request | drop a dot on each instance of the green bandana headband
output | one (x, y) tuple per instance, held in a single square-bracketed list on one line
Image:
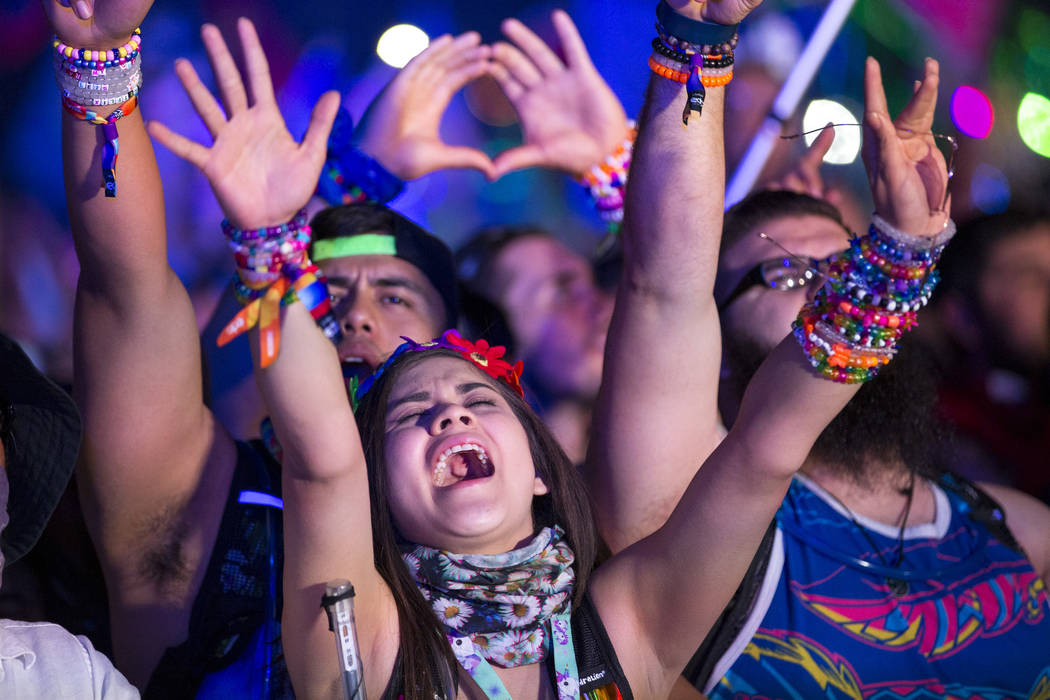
[(363, 244)]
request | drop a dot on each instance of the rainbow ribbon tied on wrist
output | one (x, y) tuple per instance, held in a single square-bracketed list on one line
[(111, 147), (274, 271), (304, 284)]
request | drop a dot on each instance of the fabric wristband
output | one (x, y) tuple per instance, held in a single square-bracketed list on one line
[(692, 30)]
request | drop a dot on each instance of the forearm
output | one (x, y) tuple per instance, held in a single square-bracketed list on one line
[(664, 348), (305, 396), (708, 542), (673, 213), (120, 241)]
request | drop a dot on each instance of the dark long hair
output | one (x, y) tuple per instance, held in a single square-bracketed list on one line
[(427, 666)]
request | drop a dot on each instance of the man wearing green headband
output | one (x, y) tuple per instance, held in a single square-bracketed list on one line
[(388, 278)]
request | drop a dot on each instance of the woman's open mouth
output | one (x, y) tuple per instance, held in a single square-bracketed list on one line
[(462, 462)]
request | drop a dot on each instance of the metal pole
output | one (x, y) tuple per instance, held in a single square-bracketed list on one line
[(787, 99), (338, 603)]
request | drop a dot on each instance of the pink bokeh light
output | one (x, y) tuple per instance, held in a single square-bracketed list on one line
[(972, 112)]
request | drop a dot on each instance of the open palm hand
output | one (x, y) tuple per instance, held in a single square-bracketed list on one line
[(259, 174)]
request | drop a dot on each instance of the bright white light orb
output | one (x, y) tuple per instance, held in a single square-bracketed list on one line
[(400, 44), (847, 138)]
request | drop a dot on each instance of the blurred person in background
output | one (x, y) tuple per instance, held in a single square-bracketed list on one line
[(524, 289), (994, 343)]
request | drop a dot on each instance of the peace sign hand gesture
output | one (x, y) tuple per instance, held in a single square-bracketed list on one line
[(259, 174), (907, 172)]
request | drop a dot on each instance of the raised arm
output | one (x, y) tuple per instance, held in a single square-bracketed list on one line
[(262, 177), (691, 565), (664, 348), (148, 436)]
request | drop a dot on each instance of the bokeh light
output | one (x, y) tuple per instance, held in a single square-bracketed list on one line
[(847, 138), (972, 112), (990, 189), (1033, 123), (400, 44)]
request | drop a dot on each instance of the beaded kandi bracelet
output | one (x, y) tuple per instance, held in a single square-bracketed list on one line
[(99, 60), (274, 270), (698, 54), (101, 78), (350, 176), (873, 290), (606, 180)]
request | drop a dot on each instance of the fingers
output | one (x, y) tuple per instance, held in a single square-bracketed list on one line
[(441, 52), (454, 80), (917, 115), (179, 145), (518, 158), (255, 63), (805, 178), (886, 146), (510, 86), (820, 146), (518, 65), (454, 64), (315, 142), (227, 77), (83, 9), (534, 47), (426, 54), (468, 158), (203, 101), (874, 95), (572, 45)]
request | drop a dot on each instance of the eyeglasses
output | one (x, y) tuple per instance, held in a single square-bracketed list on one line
[(784, 274), (948, 145)]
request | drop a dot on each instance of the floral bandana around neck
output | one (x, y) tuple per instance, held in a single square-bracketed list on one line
[(508, 609)]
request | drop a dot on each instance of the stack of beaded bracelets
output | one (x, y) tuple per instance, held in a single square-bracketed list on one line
[(261, 253), (274, 270), (852, 326), (698, 54), (606, 180), (90, 78)]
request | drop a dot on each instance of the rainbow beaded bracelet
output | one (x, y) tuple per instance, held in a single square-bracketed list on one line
[(96, 58)]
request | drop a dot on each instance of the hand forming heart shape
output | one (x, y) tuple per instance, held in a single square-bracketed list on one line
[(569, 116)]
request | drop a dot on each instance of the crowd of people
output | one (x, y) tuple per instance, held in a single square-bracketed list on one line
[(712, 466)]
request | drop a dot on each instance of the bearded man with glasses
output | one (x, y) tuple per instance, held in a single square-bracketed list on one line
[(844, 603), (881, 576)]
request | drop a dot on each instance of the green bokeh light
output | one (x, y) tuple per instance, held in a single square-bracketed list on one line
[(1033, 123), (1033, 28), (1037, 69)]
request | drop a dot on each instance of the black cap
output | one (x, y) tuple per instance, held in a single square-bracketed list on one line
[(41, 441)]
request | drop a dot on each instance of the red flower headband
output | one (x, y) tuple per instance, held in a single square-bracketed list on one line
[(487, 358)]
